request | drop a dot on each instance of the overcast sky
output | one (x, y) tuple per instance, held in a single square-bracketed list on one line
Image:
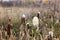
[(9, 0), (5, 0)]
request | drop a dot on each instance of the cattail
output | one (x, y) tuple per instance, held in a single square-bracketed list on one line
[(35, 22), (28, 27), (38, 14), (23, 19), (9, 27)]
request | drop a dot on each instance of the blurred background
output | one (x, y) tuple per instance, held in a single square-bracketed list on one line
[(49, 17)]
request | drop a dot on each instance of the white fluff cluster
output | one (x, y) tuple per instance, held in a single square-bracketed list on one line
[(27, 23), (35, 21), (23, 16), (51, 33), (57, 21), (39, 12)]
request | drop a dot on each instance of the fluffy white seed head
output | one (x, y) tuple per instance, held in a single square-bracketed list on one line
[(57, 21), (35, 21), (23, 16), (27, 23), (51, 33), (38, 12)]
